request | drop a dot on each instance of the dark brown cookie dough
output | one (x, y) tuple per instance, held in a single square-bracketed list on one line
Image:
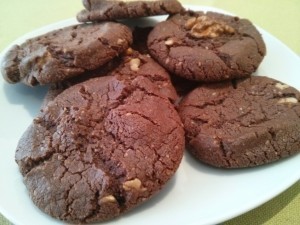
[(134, 65), (207, 47), (100, 148), (246, 123), (65, 53), (131, 65), (102, 10)]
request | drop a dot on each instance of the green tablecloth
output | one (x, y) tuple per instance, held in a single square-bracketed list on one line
[(280, 18)]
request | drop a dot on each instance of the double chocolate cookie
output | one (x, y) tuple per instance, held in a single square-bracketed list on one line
[(65, 53), (100, 148), (102, 10), (207, 47), (245, 123)]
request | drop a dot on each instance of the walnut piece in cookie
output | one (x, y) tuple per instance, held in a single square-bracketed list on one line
[(206, 27)]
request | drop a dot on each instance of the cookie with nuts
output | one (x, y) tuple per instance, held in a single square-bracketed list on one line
[(243, 123), (100, 148), (207, 47), (142, 67), (103, 10), (65, 53)]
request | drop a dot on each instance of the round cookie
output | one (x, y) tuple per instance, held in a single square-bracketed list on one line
[(207, 47), (100, 148), (246, 123), (103, 10), (65, 53)]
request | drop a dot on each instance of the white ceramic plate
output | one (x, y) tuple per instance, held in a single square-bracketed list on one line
[(197, 195)]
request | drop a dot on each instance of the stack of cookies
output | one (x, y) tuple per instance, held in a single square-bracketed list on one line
[(124, 103)]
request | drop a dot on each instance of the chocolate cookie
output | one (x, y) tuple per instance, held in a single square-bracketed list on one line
[(207, 46), (65, 53), (130, 65), (245, 123), (100, 148), (102, 10)]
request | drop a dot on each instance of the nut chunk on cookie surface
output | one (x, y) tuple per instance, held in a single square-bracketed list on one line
[(207, 47), (100, 148), (65, 53), (246, 123)]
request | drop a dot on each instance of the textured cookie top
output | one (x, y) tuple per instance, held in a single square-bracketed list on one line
[(245, 123), (100, 148), (102, 10), (131, 65), (134, 65), (65, 53), (207, 46)]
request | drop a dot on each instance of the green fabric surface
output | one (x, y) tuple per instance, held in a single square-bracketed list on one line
[(282, 210), (3, 221), (280, 18)]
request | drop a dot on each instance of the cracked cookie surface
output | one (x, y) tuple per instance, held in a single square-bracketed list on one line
[(100, 148), (130, 65), (246, 123), (207, 47), (65, 53), (102, 10)]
